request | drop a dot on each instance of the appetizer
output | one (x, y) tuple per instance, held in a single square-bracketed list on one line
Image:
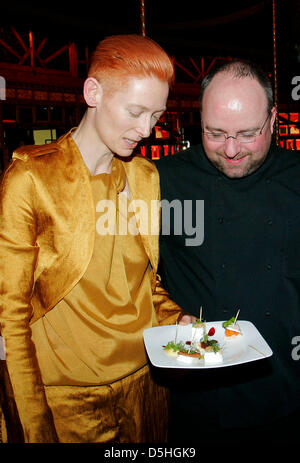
[(173, 348), (213, 354), (189, 356), (198, 330), (232, 328), (199, 349), (210, 348)]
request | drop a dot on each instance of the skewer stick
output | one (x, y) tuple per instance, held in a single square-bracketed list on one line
[(237, 314), (200, 317), (261, 353), (192, 342), (175, 339)]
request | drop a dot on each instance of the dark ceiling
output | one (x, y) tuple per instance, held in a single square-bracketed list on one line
[(187, 28)]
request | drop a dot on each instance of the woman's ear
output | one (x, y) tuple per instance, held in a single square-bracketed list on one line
[(92, 92)]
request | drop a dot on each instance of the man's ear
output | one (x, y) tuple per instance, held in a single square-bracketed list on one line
[(92, 92)]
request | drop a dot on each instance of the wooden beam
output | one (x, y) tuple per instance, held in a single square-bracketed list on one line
[(19, 38), (185, 70), (55, 54), (73, 61), (31, 46), (13, 52), (194, 64), (211, 65), (41, 45), (24, 57)]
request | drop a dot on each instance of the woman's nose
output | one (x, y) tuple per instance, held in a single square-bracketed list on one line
[(144, 128)]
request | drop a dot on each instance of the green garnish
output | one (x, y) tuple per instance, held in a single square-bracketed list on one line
[(190, 351), (213, 343), (180, 347), (210, 342), (198, 322), (215, 346), (175, 347), (229, 322)]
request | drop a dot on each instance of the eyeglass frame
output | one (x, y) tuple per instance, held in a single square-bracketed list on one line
[(235, 138)]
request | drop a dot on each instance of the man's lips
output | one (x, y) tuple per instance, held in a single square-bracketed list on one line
[(235, 162)]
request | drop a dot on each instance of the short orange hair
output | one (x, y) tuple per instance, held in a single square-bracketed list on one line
[(120, 56)]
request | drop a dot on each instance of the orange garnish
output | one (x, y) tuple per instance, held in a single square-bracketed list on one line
[(231, 332), (196, 354)]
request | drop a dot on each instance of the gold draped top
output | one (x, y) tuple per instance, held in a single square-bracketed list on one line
[(94, 335)]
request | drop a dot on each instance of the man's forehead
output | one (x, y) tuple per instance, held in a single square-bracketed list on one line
[(227, 93), (226, 84)]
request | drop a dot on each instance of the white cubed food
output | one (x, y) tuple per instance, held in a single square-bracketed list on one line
[(171, 352), (187, 359), (197, 333), (213, 357)]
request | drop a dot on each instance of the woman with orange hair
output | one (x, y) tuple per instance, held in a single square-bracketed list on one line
[(78, 269)]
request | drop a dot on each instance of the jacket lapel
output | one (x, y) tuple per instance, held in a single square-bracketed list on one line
[(143, 183)]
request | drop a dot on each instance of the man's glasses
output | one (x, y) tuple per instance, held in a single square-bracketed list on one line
[(245, 137)]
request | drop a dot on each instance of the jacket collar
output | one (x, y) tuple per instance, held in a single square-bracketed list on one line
[(143, 181)]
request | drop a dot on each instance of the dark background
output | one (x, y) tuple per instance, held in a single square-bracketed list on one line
[(190, 28)]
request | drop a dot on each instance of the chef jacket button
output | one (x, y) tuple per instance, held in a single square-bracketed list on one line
[(223, 265), (267, 313), (269, 221), (224, 311), (268, 266), (221, 219)]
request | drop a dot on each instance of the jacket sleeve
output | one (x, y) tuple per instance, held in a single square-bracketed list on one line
[(19, 254), (167, 311)]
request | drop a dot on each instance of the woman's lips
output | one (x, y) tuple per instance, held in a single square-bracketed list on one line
[(131, 143)]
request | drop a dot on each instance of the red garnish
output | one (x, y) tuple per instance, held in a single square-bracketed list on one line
[(211, 331), (188, 343)]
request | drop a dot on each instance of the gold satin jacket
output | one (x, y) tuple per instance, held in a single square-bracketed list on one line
[(47, 229)]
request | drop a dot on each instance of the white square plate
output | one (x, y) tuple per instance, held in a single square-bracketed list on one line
[(249, 347)]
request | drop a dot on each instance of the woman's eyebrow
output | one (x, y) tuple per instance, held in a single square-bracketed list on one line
[(144, 108)]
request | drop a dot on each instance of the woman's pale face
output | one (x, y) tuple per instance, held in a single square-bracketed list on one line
[(127, 115)]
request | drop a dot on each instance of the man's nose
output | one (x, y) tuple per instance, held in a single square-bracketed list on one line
[(232, 147)]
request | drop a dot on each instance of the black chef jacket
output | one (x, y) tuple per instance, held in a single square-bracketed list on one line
[(249, 260)]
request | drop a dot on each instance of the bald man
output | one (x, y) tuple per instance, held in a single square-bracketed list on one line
[(249, 260)]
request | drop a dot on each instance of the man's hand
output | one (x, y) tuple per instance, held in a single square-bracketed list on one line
[(186, 319)]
